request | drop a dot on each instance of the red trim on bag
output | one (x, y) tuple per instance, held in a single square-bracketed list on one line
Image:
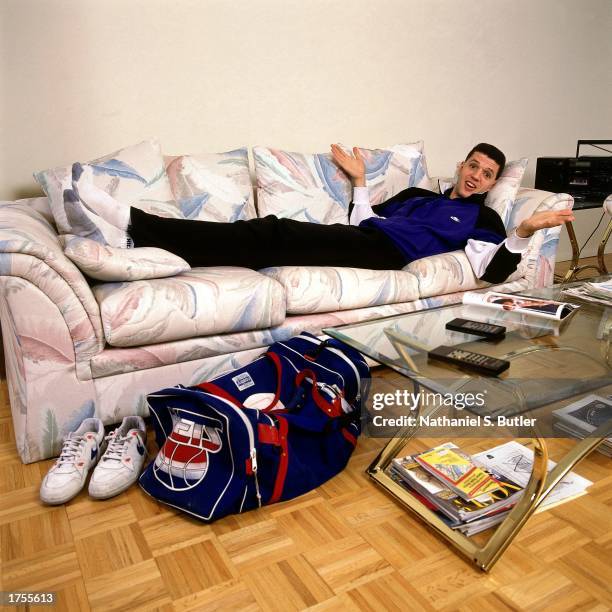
[(281, 475), (248, 467), (215, 390), (210, 387), (268, 434), (331, 409), (349, 436)]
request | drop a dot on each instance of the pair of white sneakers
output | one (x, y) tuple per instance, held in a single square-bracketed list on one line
[(118, 459)]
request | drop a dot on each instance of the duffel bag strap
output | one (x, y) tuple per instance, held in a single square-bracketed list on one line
[(315, 352), (215, 390), (212, 388), (283, 465), (332, 409), (269, 434)]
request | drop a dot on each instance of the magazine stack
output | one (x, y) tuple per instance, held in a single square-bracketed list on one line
[(471, 493), (581, 418), (600, 293)]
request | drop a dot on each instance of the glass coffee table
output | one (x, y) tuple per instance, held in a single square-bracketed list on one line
[(550, 363)]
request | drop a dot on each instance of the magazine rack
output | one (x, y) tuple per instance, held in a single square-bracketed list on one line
[(539, 486)]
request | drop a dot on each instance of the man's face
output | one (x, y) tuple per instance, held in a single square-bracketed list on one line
[(476, 175)]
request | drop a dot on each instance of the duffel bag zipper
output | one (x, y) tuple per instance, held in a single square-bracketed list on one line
[(335, 393), (252, 449), (254, 470)]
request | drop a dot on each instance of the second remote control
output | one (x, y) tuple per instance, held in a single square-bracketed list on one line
[(483, 364), (478, 328)]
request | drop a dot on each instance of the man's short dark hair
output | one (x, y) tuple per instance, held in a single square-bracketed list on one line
[(490, 151)]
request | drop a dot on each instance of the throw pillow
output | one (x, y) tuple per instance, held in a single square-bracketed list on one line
[(133, 176), (212, 187), (392, 169), (305, 187), (502, 195), (310, 187), (110, 264)]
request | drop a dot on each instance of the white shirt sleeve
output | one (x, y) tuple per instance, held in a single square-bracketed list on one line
[(480, 253), (362, 208)]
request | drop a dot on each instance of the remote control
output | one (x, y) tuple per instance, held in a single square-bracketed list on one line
[(483, 364), (478, 328)]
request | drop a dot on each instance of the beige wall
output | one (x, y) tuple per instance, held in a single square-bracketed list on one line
[(83, 77)]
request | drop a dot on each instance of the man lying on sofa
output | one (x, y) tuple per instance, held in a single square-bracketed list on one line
[(414, 223)]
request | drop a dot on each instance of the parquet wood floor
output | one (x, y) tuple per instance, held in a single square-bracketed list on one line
[(344, 546)]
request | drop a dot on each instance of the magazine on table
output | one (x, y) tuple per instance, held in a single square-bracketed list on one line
[(600, 293), (587, 414), (524, 304), (579, 419), (602, 289)]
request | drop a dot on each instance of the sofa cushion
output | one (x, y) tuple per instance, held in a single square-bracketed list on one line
[(212, 187), (112, 264), (200, 302), (41, 205), (311, 289), (392, 169), (305, 187), (134, 176), (447, 273)]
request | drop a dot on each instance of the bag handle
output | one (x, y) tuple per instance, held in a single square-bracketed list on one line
[(278, 366), (315, 352), (331, 409)]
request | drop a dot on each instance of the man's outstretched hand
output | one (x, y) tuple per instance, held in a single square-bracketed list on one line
[(547, 218), (353, 165)]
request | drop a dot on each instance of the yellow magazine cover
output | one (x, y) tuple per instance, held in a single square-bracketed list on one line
[(454, 467)]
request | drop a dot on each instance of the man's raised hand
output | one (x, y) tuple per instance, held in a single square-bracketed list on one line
[(353, 165), (540, 220)]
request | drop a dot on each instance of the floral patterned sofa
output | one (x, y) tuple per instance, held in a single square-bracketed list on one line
[(76, 347)]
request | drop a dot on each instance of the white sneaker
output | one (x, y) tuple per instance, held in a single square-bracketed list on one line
[(81, 450), (122, 462)]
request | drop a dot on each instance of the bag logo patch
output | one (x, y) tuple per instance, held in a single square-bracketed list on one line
[(243, 381), (184, 455)]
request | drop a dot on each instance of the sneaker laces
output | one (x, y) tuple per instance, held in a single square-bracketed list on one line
[(70, 450), (116, 446)]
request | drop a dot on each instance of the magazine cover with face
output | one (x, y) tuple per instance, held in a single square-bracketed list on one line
[(521, 303)]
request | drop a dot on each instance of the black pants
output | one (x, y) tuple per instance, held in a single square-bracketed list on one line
[(260, 243)]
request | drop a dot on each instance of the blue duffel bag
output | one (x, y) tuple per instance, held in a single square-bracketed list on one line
[(267, 432)]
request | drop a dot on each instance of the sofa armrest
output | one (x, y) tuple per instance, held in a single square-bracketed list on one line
[(538, 261), (30, 249)]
